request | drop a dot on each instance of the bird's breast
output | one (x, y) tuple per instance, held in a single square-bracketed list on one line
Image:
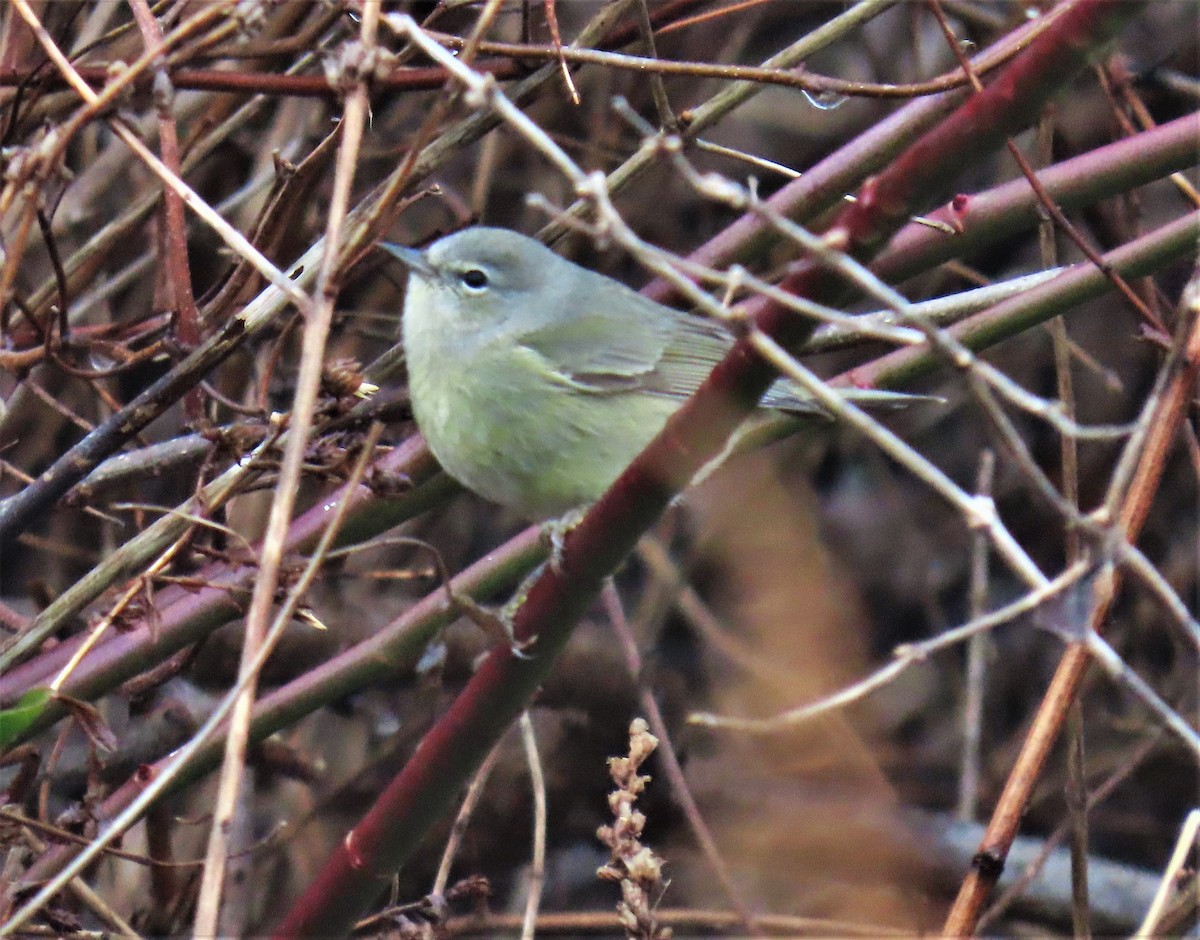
[(505, 426)]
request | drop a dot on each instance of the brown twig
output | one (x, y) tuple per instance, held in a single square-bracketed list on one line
[(671, 764), (1048, 204), (556, 44), (1163, 412), (316, 331), (977, 656), (803, 80), (178, 270)]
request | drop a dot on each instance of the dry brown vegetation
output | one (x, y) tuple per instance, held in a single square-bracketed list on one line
[(835, 757)]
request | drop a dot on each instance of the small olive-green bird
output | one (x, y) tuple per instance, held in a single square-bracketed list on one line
[(536, 381)]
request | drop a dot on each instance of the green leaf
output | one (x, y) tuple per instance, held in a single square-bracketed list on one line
[(14, 721)]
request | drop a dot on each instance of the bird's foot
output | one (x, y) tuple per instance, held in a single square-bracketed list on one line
[(555, 532)]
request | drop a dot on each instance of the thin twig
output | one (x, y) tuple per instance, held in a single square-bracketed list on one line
[(1146, 455), (178, 270), (978, 650), (303, 406), (800, 79), (674, 770), (1184, 847), (458, 828), (537, 864), (1044, 199), (1076, 782), (174, 765), (556, 41), (904, 656)]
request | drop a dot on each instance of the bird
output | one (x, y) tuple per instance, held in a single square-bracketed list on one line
[(535, 381)]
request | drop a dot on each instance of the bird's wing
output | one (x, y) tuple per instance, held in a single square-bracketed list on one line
[(664, 353), (596, 352), (696, 346), (660, 352)]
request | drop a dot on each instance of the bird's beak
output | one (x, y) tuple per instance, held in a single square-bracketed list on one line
[(416, 260)]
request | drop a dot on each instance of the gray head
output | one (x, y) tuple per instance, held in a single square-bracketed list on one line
[(484, 269)]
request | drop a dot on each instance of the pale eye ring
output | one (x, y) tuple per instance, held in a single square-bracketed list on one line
[(474, 279)]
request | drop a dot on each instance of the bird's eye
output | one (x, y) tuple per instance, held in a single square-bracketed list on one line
[(475, 279)]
